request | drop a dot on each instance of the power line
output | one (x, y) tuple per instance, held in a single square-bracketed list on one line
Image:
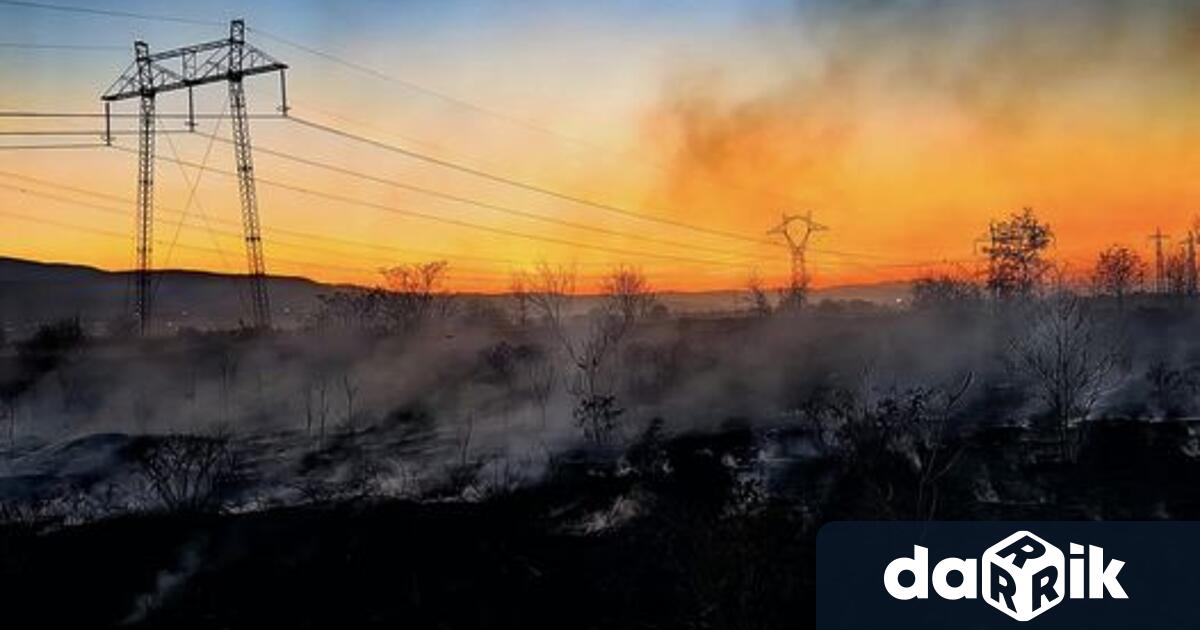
[(442, 96), (38, 46), (192, 188), (367, 70), (419, 88), (431, 159), (34, 147), (80, 132), (235, 235), (481, 277), (342, 241), (180, 224), (361, 68), (459, 222), (274, 241), (470, 170), (173, 116), (59, 224), (382, 247), (106, 12), (486, 111), (487, 205), (460, 167), (123, 237), (522, 184), (287, 232), (358, 122), (554, 193), (495, 207)]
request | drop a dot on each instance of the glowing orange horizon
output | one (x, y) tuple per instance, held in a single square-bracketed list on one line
[(903, 138)]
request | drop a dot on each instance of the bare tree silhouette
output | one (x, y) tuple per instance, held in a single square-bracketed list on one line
[(413, 294), (755, 297), (188, 472), (626, 298), (1066, 357)]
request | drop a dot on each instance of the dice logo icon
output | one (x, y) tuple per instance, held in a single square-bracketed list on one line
[(1023, 576)]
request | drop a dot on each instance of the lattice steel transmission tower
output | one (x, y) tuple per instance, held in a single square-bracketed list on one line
[(798, 247), (1160, 264), (230, 60), (1191, 275)]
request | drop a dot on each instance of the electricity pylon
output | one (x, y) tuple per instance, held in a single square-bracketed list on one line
[(1160, 266), (1191, 280), (230, 60), (798, 247)]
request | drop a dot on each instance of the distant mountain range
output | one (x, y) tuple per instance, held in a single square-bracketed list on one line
[(33, 292)]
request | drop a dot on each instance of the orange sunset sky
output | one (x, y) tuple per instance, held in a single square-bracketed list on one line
[(903, 125)]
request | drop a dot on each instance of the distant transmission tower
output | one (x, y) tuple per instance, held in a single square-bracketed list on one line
[(798, 247), (1191, 281), (229, 60), (1160, 265)]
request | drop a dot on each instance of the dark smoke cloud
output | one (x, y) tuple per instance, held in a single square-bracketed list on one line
[(1000, 65)]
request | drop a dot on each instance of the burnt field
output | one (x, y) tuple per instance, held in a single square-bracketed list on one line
[(480, 471), (676, 532)]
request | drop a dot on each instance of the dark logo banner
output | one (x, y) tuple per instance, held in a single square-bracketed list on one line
[(967, 575)]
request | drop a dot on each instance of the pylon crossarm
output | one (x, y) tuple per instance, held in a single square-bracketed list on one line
[(211, 69), (129, 84), (189, 66)]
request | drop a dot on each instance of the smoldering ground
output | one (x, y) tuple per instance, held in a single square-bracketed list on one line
[(466, 406), (354, 476)]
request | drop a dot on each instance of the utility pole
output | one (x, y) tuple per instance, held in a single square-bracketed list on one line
[(229, 60), (798, 248), (1160, 268), (1189, 259)]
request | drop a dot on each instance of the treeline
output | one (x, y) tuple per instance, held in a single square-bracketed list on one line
[(1018, 268)]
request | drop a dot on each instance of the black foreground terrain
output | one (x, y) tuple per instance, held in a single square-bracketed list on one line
[(675, 536)]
